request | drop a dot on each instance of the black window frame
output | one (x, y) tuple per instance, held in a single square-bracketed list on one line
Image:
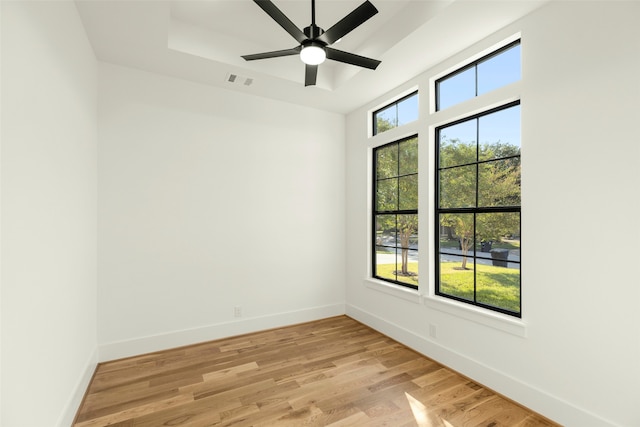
[(471, 210), (375, 212), (474, 65), (391, 104)]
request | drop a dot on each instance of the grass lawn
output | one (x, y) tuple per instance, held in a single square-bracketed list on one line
[(387, 271), (496, 286)]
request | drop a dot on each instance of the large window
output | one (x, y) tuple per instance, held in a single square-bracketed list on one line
[(484, 75), (395, 212), (398, 113), (478, 210)]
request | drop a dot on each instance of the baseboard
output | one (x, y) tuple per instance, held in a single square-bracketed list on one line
[(531, 397), (71, 408), (149, 344)]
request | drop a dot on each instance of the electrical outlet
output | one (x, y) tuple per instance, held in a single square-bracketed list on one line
[(433, 331), (237, 311)]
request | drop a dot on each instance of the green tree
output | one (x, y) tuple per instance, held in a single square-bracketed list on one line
[(383, 124), (497, 179), (397, 190)]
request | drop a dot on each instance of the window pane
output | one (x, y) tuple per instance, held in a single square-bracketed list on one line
[(454, 279), (408, 192), (408, 156), (499, 183), (498, 286), (387, 161), (499, 70), (386, 230), (457, 88), (458, 144), (499, 231), (499, 134), (396, 114), (386, 119), (408, 110), (461, 226), (385, 263), (387, 195), (458, 187)]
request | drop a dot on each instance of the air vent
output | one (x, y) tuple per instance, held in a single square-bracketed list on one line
[(238, 80)]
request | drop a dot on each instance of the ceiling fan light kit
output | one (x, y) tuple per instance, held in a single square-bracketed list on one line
[(313, 54), (314, 42)]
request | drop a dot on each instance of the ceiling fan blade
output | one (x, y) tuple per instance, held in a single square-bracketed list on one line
[(274, 54), (277, 15), (310, 74), (351, 58), (350, 22)]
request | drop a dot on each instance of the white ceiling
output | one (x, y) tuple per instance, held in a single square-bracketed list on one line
[(203, 40)]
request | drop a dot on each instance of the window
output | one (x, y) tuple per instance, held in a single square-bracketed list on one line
[(402, 111), (484, 75), (478, 210), (395, 212)]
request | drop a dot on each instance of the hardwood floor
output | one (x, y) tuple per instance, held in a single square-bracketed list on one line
[(335, 372)]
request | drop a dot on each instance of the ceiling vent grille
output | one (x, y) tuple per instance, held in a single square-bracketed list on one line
[(237, 79)]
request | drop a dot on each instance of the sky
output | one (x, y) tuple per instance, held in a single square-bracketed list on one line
[(494, 72)]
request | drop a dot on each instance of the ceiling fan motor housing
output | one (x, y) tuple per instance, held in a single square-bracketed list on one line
[(313, 31)]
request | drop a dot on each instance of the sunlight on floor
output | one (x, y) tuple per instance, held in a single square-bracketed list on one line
[(422, 415)]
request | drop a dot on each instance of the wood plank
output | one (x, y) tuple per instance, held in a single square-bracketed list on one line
[(334, 371)]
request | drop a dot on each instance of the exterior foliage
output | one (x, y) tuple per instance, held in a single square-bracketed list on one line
[(497, 180), (396, 200)]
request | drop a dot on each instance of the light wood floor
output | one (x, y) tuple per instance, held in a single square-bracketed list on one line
[(334, 372)]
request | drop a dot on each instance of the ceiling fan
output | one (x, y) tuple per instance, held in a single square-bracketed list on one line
[(314, 41)]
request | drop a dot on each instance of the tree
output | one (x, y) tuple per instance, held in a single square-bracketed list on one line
[(497, 179), (383, 124), (397, 193)]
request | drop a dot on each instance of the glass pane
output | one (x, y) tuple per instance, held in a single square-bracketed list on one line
[(449, 242), (408, 156), (386, 119), (461, 239), (499, 183), (458, 144), (387, 195), (408, 110), (386, 230), (458, 187), (457, 88), (456, 280), (408, 195), (407, 271), (385, 264), (499, 70), (387, 161), (499, 134), (499, 232), (498, 286)]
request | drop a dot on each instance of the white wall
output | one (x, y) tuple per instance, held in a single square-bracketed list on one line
[(49, 208), (574, 357), (210, 200)]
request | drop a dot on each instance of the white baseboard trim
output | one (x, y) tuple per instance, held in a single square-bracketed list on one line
[(531, 397), (149, 344), (72, 406)]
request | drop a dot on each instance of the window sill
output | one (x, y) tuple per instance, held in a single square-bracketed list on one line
[(399, 291), (501, 322)]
